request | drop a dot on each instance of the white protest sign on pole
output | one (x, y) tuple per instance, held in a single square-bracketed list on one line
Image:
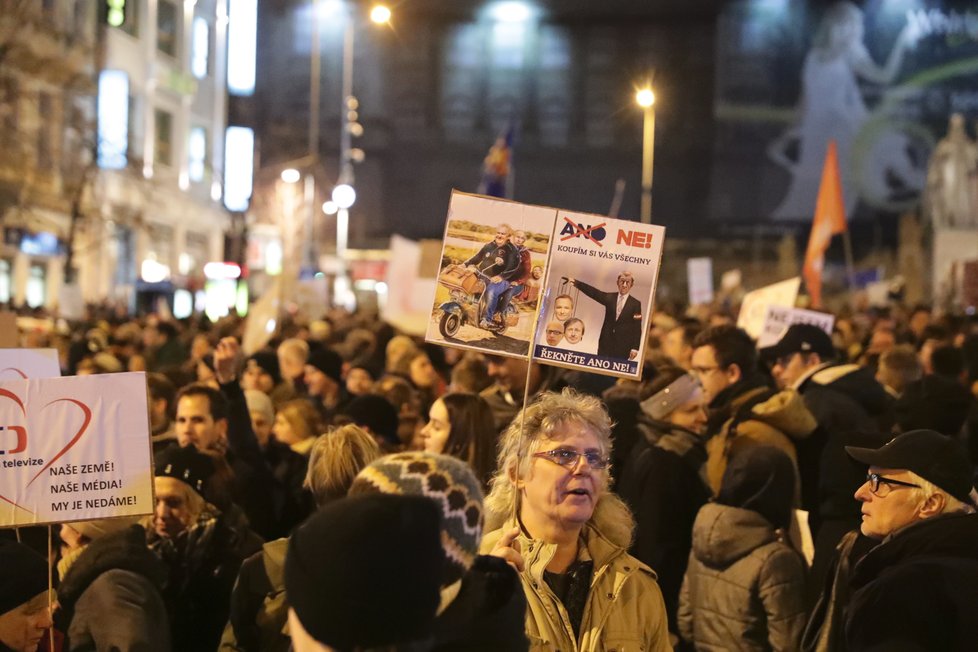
[(753, 309), (74, 449), (18, 364), (779, 319), (599, 291), (409, 286), (262, 319), (699, 274)]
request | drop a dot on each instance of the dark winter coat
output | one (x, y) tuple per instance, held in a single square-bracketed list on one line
[(487, 615), (202, 563), (918, 589), (852, 409), (744, 588), (663, 485), (111, 597)]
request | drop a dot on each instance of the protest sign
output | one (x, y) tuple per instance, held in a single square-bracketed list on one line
[(74, 449), (17, 364), (410, 284), (598, 294), (262, 320), (753, 309), (779, 319), (493, 259), (699, 274)]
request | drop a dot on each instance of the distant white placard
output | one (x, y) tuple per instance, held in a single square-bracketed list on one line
[(74, 449), (753, 309), (731, 280), (779, 319), (699, 273), (20, 364)]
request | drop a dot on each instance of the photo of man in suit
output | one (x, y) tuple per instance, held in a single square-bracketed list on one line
[(621, 331)]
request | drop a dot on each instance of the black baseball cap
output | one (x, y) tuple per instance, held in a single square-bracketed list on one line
[(931, 455), (801, 338)]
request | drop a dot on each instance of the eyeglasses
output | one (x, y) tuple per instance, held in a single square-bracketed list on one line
[(567, 458), (554, 332), (875, 480)]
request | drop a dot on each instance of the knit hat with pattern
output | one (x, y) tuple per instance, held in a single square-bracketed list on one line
[(450, 483)]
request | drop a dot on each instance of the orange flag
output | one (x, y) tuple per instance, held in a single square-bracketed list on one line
[(830, 219)]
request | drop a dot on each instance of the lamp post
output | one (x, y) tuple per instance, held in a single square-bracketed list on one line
[(646, 99), (344, 193)]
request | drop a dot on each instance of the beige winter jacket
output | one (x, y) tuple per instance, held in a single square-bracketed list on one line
[(779, 422), (624, 611)]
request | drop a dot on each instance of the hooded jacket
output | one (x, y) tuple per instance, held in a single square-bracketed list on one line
[(111, 596), (918, 589), (776, 421), (624, 609), (744, 588)]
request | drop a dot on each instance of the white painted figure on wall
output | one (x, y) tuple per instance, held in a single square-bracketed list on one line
[(952, 179), (831, 107)]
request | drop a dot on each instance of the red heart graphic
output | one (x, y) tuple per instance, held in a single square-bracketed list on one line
[(20, 404), (74, 440), (16, 371)]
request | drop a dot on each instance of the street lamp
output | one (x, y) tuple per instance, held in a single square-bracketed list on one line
[(380, 15), (646, 99)]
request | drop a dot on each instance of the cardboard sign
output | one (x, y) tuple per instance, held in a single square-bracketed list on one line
[(19, 364), (74, 449), (9, 335), (699, 274), (779, 319), (489, 283), (753, 309), (599, 290)]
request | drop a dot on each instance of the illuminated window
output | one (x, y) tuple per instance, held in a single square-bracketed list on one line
[(201, 50), (35, 286), (167, 20), (239, 153), (242, 36), (114, 115), (5, 280), (164, 137), (197, 150), (508, 45)]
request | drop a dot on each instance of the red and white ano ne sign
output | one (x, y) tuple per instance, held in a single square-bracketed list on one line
[(74, 449)]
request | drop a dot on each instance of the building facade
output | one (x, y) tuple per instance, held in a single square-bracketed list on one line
[(129, 151)]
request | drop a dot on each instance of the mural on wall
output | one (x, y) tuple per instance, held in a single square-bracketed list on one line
[(880, 79)]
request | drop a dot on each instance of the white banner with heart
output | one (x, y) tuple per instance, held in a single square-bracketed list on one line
[(74, 449)]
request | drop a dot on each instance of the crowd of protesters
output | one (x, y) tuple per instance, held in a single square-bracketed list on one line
[(347, 487)]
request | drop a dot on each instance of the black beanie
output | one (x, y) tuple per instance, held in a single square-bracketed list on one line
[(933, 403), (268, 362), (23, 575), (329, 362), (761, 479), (188, 465), (375, 413), (364, 571)]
